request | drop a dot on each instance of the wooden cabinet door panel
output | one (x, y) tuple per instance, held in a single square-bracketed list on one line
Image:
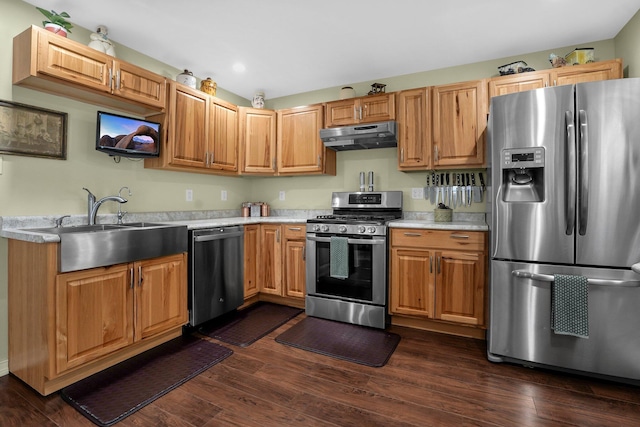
[(595, 71), (460, 287), (223, 134), (411, 282), (251, 259), (188, 128), (459, 122), (258, 140), (414, 129), (295, 275), (64, 59), (300, 148), (94, 314), (518, 83), (341, 113), (161, 295), (378, 108), (270, 272), (138, 84)]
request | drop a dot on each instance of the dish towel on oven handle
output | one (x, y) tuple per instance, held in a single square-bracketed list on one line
[(570, 305), (339, 257)]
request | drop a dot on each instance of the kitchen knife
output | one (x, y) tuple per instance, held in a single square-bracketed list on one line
[(454, 191), (468, 190), (432, 189), (448, 202), (426, 189), (482, 187), (477, 195), (461, 190), (444, 188), (437, 186)]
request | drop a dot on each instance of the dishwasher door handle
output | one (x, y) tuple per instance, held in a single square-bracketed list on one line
[(217, 236)]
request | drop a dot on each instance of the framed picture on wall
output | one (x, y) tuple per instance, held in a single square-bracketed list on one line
[(32, 131)]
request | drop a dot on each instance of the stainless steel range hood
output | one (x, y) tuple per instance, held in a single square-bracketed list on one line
[(360, 137)]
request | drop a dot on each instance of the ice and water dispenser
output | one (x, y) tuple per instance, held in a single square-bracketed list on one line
[(523, 174)]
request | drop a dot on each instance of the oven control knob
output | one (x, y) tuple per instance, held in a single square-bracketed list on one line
[(361, 229), (324, 228), (342, 229), (315, 227), (371, 230)]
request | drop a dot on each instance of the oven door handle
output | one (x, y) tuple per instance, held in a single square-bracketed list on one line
[(374, 241), (217, 236)]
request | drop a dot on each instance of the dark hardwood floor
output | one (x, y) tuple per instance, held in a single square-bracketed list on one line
[(431, 380)]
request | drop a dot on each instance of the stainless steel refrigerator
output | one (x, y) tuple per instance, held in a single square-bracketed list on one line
[(564, 199)]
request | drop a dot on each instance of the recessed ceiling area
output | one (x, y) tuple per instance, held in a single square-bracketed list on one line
[(292, 46)]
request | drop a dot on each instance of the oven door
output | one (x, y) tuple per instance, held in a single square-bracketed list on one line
[(366, 282)]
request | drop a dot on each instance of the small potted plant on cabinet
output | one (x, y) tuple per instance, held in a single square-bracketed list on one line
[(56, 22)]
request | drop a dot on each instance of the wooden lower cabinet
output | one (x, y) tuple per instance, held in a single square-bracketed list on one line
[(274, 257), (87, 320), (439, 275)]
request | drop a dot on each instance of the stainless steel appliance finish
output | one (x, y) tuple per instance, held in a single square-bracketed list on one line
[(360, 298), (216, 273), (564, 193), (361, 137)]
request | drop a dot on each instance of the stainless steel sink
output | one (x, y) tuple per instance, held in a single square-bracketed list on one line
[(89, 246)]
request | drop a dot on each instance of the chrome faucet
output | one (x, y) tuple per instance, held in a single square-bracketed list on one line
[(94, 205)]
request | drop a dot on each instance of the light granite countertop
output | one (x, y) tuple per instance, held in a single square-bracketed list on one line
[(18, 227)]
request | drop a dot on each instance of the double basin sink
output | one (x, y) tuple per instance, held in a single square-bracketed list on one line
[(99, 245)]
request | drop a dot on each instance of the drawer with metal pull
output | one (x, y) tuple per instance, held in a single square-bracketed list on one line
[(449, 239)]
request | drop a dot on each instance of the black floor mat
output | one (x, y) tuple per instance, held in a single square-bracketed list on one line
[(117, 392), (249, 325), (358, 344)]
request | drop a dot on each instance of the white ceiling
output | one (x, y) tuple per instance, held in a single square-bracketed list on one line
[(294, 46)]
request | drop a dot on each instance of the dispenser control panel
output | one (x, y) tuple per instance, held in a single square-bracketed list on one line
[(521, 158)]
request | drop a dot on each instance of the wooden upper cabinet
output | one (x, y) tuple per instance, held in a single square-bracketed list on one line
[(594, 71), (299, 147), (45, 61), (223, 136), (200, 133), (459, 124), (365, 109), (602, 70), (257, 141), (414, 129), (518, 83)]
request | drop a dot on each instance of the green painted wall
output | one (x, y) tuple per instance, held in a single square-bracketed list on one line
[(32, 186)]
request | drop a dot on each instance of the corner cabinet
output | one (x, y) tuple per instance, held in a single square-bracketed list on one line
[(50, 63), (364, 109), (300, 150), (602, 70), (257, 141), (65, 327), (459, 124), (201, 133), (439, 275)]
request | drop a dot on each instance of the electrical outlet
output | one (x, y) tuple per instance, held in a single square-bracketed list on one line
[(189, 195), (417, 193), (281, 195), (223, 195)]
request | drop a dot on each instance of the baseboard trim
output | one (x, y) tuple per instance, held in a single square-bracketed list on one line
[(4, 367)]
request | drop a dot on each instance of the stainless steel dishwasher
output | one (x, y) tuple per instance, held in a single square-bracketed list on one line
[(216, 272)]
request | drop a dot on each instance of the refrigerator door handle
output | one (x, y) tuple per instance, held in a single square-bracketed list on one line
[(583, 188), (522, 274), (570, 178)]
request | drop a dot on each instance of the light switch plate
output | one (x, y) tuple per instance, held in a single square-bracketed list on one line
[(189, 195), (281, 195), (223, 195), (417, 193)]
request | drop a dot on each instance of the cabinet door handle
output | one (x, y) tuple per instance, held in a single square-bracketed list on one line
[(360, 113), (355, 113), (110, 78), (459, 236), (304, 253), (413, 234), (131, 281), (212, 159), (402, 155), (435, 153), (438, 262), (206, 159), (278, 235), (140, 276), (295, 228), (431, 264), (118, 80)]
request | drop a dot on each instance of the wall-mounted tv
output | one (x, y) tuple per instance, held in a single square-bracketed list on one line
[(125, 136)]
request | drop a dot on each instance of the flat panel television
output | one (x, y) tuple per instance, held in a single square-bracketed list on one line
[(125, 136)]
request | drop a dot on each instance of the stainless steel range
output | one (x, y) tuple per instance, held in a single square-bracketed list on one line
[(347, 256)]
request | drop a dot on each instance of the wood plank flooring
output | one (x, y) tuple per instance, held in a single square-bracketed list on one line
[(431, 380)]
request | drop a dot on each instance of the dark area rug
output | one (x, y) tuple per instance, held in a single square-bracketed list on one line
[(117, 392), (358, 344), (244, 327)]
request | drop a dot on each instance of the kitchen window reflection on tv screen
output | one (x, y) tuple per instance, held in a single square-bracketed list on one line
[(128, 133)]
